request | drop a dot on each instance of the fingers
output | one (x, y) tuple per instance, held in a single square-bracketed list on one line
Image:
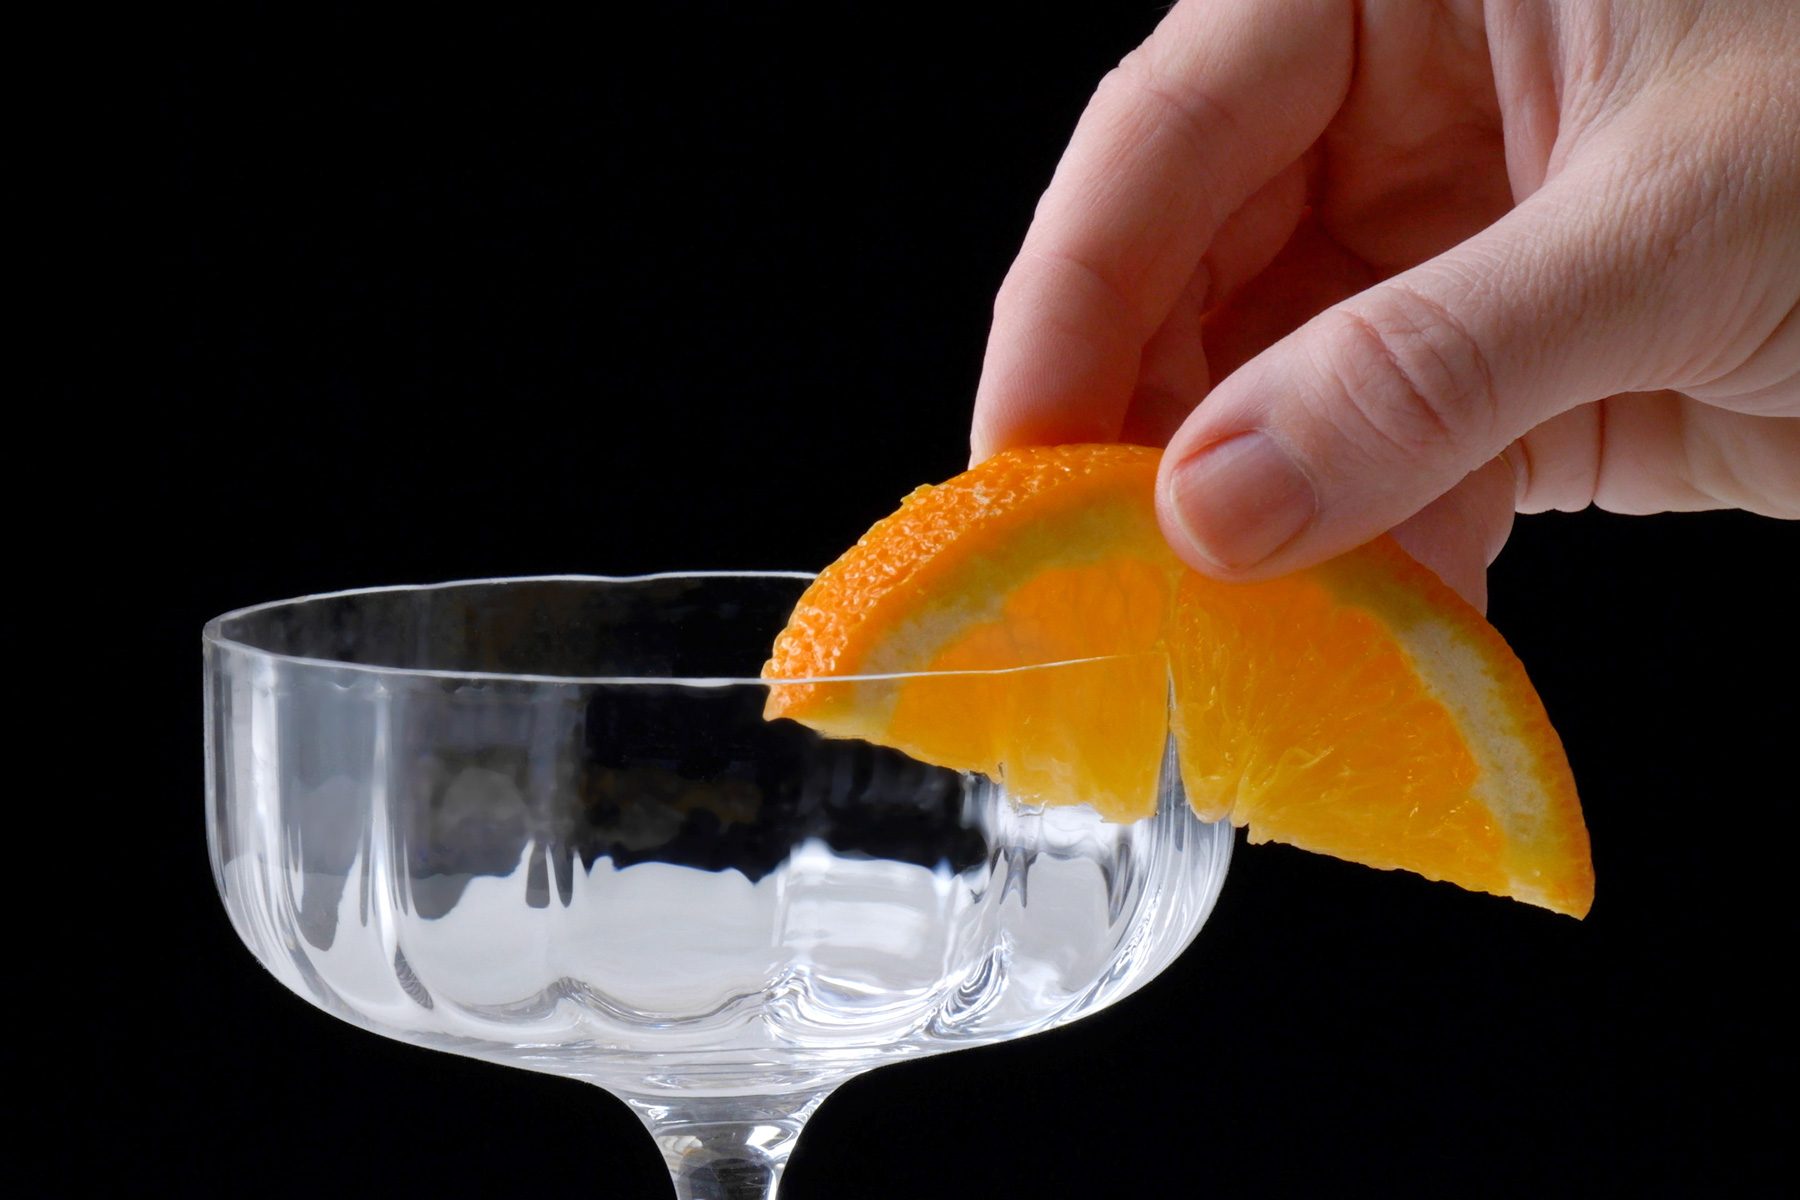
[(1177, 365), (1310, 274), (1381, 404), (1659, 452), (1460, 534), (1212, 107), (1172, 375)]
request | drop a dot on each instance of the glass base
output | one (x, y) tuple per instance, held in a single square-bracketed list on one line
[(726, 1147)]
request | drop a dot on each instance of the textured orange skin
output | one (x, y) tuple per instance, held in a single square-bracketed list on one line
[(914, 551), (1300, 709)]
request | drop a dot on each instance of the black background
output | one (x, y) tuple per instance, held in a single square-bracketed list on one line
[(708, 289)]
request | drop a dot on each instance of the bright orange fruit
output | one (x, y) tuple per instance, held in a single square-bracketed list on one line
[(1026, 620)]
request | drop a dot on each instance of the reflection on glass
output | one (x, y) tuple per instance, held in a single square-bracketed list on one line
[(543, 822)]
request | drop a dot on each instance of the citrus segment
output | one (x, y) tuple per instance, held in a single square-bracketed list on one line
[(1027, 621), (1041, 560)]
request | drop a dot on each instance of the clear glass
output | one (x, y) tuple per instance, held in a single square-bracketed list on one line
[(544, 822)]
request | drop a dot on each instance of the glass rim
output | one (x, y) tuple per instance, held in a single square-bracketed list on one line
[(213, 635)]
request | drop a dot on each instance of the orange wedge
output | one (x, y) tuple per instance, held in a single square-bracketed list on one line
[(1026, 620)]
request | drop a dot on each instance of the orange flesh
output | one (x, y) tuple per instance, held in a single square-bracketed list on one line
[(1326, 743), (1360, 709), (1016, 725)]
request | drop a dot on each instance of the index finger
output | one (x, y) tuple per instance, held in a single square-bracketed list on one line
[(1221, 97)]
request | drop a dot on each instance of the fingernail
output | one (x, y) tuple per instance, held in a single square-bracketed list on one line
[(1241, 499)]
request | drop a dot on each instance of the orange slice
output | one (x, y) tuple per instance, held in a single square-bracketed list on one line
[(1026, 620)]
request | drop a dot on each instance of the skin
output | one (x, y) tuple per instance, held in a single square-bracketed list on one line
[(1413, 266)]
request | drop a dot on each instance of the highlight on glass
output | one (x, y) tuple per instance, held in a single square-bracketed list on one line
[(545, 822)]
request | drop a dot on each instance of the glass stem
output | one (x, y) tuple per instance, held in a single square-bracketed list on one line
[(726, 1147)]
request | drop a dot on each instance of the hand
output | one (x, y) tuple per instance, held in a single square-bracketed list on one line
[(1426, 263)]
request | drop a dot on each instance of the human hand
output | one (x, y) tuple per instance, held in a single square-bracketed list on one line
[(1426, 263)]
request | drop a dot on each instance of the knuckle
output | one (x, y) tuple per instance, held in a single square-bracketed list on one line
[(1411, 375), (1101, 297), (1142, 85)]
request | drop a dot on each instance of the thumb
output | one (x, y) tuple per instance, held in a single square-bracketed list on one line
[(1376, 407)]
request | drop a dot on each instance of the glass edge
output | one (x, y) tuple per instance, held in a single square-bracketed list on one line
[(212, 637)]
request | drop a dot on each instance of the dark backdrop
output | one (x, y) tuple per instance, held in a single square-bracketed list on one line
[(708, 289)]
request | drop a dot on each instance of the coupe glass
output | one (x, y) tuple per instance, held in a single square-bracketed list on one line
[(544, 822)]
